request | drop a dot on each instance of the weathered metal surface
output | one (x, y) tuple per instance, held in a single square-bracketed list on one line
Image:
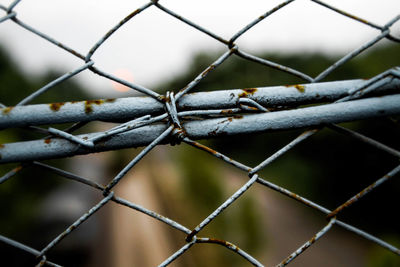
[(253, 123), (132, 107)]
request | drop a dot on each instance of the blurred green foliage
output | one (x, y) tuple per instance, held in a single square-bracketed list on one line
[(20, 196), (381, 257)]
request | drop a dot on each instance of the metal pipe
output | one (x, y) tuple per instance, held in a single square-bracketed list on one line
[(210, 128), (132, 107)]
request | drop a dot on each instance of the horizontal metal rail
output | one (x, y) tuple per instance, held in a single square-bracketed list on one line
[(209, 128), (132, 107)]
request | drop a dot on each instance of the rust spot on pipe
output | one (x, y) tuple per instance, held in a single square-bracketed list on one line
[(250, 90), (88, 108), (89, 103), (7, 110), (247, 91), (226, 111), (47, 141), (299, 87), (56, 106), (164, 99), (97, 102)]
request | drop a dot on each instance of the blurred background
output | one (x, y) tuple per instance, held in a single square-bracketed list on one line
[(182, 183)]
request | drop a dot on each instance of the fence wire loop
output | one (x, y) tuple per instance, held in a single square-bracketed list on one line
[(183, 118), (178, 133)]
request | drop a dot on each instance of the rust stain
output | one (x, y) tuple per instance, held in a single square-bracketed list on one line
[(7, 110), (134, 13), (298, 198), (255, 109), (56, 106), (357, 18), (299, 87), (205, 148), (247, 91), (250, 90), (312, 240), (179, 131), (18, 168), (226, 111), (1, 146), (211, 151), (47, 141), (353, 199), (230, 119), (210, 68), (164, 99), (224, 243), (88, 109), (293, 195), (89, 103)]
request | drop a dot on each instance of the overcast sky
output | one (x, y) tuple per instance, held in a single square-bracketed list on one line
[(154, 46)]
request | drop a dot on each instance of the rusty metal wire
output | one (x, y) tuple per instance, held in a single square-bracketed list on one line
[(146, 127)]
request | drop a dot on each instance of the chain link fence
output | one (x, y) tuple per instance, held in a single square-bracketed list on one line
[(182, 118)]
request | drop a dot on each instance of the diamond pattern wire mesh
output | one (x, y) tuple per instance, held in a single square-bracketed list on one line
[(174, 131)]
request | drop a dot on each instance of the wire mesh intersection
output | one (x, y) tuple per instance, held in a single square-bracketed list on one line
[(378, 96)]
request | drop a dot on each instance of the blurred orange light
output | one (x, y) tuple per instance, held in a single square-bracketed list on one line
[(124, 74)]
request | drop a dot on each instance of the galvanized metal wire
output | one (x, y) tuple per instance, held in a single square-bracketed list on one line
[(347, 101)]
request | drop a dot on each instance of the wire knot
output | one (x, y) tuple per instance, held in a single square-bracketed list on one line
[(178, 133)]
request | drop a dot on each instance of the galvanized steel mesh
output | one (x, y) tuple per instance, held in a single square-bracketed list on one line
[(157, 119)]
